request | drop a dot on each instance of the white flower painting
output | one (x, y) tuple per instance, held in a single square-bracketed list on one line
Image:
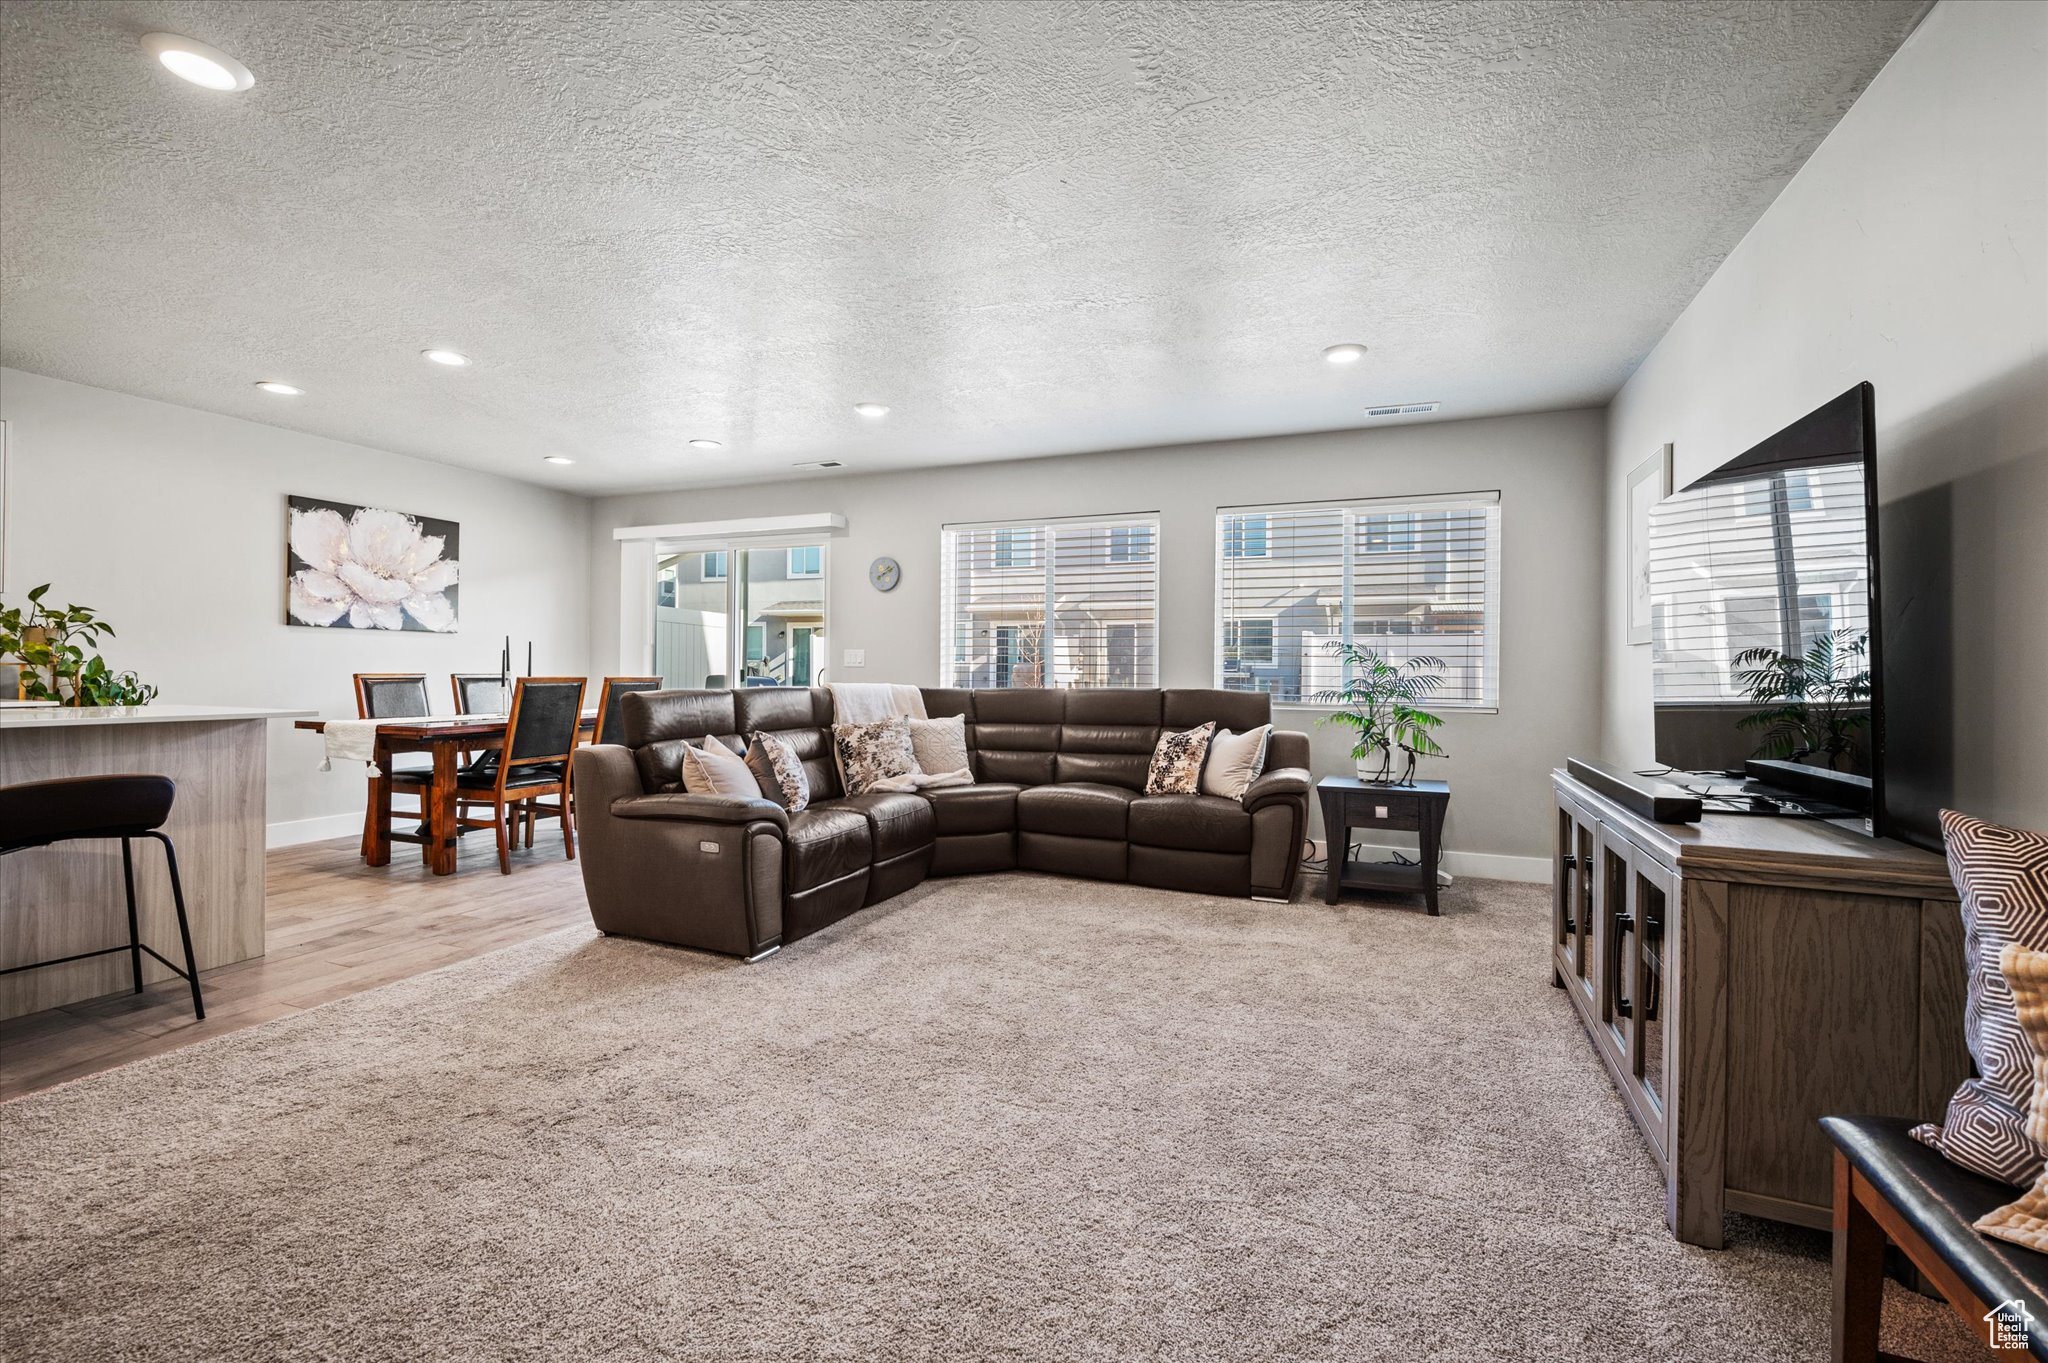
[(360, 567)]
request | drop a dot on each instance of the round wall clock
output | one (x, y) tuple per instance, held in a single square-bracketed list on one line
[(884, 574)]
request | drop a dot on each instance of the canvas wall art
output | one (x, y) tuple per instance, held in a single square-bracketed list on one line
[(362, 567)]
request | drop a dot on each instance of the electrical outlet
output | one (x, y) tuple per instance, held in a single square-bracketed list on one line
[(856, 657)]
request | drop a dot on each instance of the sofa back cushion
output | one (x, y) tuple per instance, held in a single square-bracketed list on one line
[(1017, 735), (660, 724), (1108, 736), (1237, 711), (800, 716), (1033, 736)]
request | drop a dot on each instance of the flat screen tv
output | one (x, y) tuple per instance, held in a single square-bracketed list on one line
[(1764, 625)]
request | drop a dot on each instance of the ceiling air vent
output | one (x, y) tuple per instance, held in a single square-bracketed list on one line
[(1403, 409), (818, 464)]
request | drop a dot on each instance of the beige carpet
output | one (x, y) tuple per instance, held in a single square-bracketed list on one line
[(1000, 1118)]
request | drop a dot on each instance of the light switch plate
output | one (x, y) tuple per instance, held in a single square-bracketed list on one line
[(856, 657)]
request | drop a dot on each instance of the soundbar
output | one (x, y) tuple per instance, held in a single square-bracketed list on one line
[(1655, 800)]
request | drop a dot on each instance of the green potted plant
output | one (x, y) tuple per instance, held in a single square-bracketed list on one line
[(1379, 702), (50, 643), (1815, 705)]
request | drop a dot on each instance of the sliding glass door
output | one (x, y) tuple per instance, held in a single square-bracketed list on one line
[(728, 616)]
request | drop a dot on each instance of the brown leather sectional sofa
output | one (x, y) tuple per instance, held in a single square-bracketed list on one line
[(1060, 780)]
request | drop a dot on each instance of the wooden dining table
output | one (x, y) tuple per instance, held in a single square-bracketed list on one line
[(446, 738)]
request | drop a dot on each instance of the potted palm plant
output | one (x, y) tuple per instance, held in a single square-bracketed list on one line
[(1379, 702)]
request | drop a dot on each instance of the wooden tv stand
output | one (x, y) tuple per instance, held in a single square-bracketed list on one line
[(1741, 978)]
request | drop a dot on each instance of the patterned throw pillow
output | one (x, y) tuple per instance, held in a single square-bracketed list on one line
[(779, 771), (2025, 1222), (874, 756), (940, 747), (2002, 876), (1177, 761), (711, 768)]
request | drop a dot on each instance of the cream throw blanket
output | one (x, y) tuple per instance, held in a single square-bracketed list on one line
[(873, 702), (351, 740)]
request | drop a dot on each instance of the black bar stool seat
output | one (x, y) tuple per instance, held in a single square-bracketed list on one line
[(39, 813)]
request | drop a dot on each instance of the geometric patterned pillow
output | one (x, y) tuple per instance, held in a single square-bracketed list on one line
[(2001, 875)]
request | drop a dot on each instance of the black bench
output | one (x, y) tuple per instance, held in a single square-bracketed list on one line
[(1890, 1188)]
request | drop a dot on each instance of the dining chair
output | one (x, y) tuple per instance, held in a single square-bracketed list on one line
[(611, 695), (396, 695), (540, 733), (478, 693)]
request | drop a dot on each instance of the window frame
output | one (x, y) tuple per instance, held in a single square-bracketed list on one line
[(1038, 541), (724, 573), (792, 573), (1350, 536)]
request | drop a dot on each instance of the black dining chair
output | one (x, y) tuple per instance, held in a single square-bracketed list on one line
[(397, 695), (478, 693), (39, 813), (611, 697), (540, 734)]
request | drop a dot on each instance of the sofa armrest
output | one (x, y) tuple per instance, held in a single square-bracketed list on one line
[(685, 808), (1287, 783)]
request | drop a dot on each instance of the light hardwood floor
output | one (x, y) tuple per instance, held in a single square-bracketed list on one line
[(335, 927)]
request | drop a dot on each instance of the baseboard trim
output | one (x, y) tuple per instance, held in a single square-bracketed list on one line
[(1478, 865), (321, 829)]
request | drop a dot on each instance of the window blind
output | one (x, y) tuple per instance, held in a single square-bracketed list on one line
[(1407, 577), (1771, 562), (1059, 603)]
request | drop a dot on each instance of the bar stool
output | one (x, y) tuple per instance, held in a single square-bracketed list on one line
[(39, 813)]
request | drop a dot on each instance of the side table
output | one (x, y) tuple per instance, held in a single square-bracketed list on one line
[(1350, 803)]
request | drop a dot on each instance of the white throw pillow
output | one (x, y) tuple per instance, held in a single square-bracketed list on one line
[(714, 769), (1235, 761), (940, 747)]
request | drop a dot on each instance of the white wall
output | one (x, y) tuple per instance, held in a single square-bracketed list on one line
[(171, 523), (1911, 250), (1546, 466)]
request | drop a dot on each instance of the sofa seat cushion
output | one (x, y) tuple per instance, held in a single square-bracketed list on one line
[(825, 843), (1078, 809), (1194, 823), (898, 822), (961, 810)]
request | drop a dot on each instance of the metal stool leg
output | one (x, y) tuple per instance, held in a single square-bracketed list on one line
[(184, 928), (134, 925)]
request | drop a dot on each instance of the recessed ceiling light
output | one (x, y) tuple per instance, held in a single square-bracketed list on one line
[(705, 445), (448, 357), (871, 410), (557, 459), (1350, 352), (193, 60), (283, 390)]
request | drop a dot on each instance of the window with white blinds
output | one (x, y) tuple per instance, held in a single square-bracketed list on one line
[(1777, 561), (1059, 603), (1408, 577)]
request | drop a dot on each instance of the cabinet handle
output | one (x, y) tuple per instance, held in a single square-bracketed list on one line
[(1619, 923)]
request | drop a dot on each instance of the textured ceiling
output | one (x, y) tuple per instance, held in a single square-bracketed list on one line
[(1030, 228)]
